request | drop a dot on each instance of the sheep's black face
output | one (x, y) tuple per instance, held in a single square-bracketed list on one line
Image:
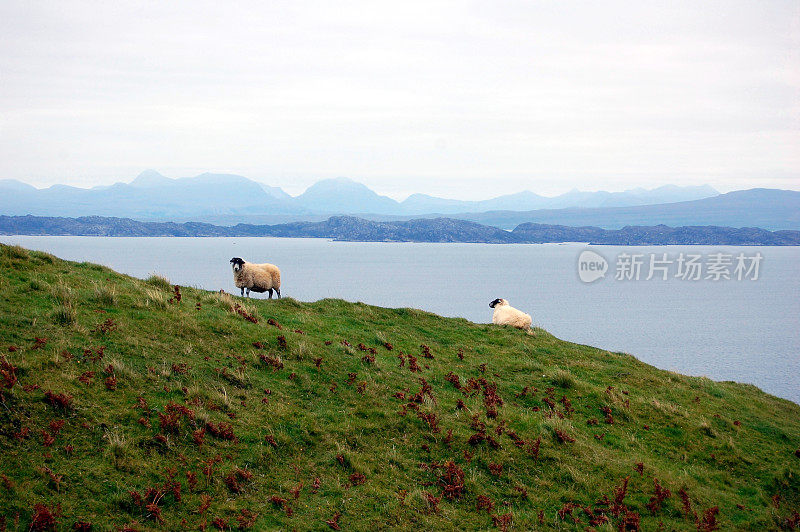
[(494, 303), (237, 263)]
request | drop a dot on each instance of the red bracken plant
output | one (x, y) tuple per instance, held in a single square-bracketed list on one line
[(452, 481), (484, 503), (453, 379), (609, 418), (199, 436), (496, 469), (205, 503), (111, 383), (7, 482), (433, 502), (282, 342), (431, 420), (274, 323), (8, 374), (246, 519), (708, 522), (296, 491), (222, 430), (58, 400), (563, 437), (275, 362), (39, 342), (618, 506), (503, 522), (426, 351), (47, 439), (491, 400), (191, 479), (639, 468), (233, 478), (533, 447), (630, 521), (659, 496), (412, 364), (82, 526), (333, 522), (106, 327), (238, 309), (566, 510), (686, 503), (44, 517), (356, 479)]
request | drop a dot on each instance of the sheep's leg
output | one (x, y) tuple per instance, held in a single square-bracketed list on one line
[(243, 291), (279, 292), (248, 292), (270, 293)]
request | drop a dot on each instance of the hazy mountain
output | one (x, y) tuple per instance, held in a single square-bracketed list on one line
[(151, 178), (149, 195), (13, 184), (343, 195), (276, 192), (527, 200), (759, 207), (231, 199)]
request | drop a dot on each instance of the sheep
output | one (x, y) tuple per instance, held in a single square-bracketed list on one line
[(505, 314), (256, 277)]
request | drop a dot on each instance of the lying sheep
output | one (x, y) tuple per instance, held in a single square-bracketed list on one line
[(256, 277), (505, 314)]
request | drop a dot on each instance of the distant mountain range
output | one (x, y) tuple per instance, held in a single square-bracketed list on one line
[(759, 207), (226, 199), (156, 197), (351, 228)]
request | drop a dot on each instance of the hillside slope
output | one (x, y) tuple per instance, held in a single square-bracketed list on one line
[(123, 405)]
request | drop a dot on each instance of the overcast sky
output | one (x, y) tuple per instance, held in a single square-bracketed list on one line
[(463, 100)]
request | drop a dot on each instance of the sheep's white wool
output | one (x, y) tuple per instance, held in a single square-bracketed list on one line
[(505, 314), (253, 277)]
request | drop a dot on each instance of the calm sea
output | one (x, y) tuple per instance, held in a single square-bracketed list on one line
[(746, 331)]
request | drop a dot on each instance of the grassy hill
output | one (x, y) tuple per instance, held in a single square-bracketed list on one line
[(123, 405)]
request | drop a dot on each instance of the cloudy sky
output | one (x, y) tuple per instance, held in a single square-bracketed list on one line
[(458, 99)]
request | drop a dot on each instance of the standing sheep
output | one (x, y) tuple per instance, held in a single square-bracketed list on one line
[(505, 314), (256, 277)]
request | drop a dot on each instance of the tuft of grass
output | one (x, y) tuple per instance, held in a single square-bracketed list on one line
[(159, 281), (104, 294), (64, 315), (16, 252), (563, 378), (151, 298), (38, 284)]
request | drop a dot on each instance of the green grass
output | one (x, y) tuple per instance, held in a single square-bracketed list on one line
[(727, 445)]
